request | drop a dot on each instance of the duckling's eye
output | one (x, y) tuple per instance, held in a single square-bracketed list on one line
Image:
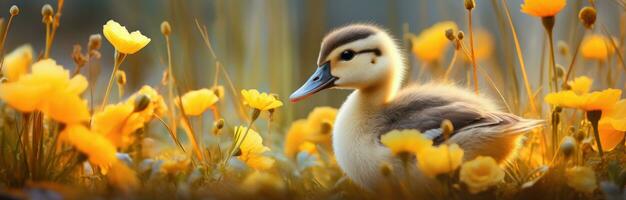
[(347, 55)]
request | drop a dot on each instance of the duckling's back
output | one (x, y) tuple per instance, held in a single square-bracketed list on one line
[(479, 127)]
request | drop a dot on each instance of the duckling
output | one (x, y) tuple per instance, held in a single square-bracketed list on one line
[(365, 58)]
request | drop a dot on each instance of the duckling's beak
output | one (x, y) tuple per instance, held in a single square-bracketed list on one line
[(320, 80)]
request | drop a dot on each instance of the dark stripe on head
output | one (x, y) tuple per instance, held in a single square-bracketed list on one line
[(343, 36)]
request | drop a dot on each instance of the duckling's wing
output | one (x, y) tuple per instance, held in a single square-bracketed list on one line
[(478, 132)]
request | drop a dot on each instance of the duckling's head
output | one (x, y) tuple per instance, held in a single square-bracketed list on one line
[(358, 56)]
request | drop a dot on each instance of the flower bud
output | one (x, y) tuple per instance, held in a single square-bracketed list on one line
[(460, 35), (95, 41), (14, 10), (121, 77), (219, 124), (166, 29), (568, 145), (587, 16), (46, 13), (560, 71), (450, 35), (141, 102), (446, 128), (470, 4)]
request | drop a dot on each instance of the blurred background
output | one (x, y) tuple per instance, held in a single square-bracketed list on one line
[(272, 45)]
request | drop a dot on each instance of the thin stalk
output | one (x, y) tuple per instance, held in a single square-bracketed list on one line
[(238, 142), (170, 87), (46, 53), (554, 78), (4, 38), (450, 66), (471, 37), (521, 59), (570, 68), (118, 59)]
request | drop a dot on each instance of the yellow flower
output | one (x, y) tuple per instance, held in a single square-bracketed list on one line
[(123, 178), (252, 150), (157, 104), (481, 173), (599, 100), (484, 44), (442, 159), (320, 122), (262, 182), (612, 126), (122, 40), (48, 88), (98, 149), (431, 43), (218, 90), (581, 178), (260, 101), (580, 85), (543, 8), (16, 63), (596, 47), (197, 101), (405, 141), (296, 135), (118, 123)]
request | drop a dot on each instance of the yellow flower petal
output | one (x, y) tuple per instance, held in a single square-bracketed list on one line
[(580, 85), (432, 43), (157, 104), (405, 141), (433, 161), (252, 150), (17, 62), (97, 148), (296, 135), (122, 40), (197, 101), (67, 108), (481, 173), (117, 123), (543, 8), (260, 101)]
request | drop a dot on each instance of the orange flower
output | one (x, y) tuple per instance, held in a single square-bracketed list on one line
[(612, 126), (596, 47), (543, 8)]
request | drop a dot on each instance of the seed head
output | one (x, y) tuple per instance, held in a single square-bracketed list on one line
[(219, 124), (166, 29), (121, 77), (14, 10), (46, 13), (95, 41), (587, 16), (450, 35), (470, 4), (447, 128), (460, 35), (560, 71), (141, 102)]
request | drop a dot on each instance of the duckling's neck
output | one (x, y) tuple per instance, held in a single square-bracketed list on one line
[(377, 94)]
